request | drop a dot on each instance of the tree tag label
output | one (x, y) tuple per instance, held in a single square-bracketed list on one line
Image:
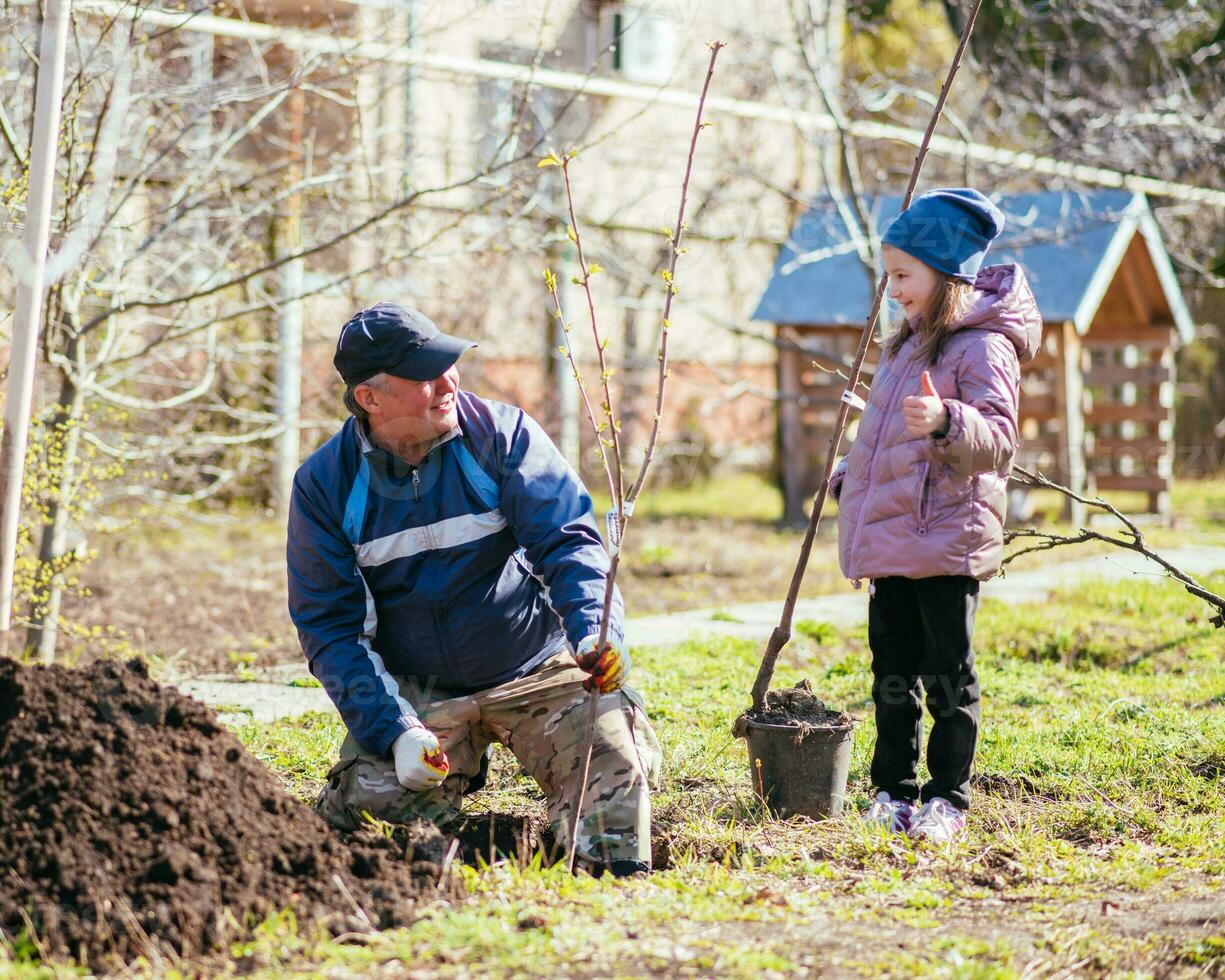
[(854, 400), (613, 521)]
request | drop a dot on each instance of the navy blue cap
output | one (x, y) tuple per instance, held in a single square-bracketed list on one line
[(950, 229), (389, 338)]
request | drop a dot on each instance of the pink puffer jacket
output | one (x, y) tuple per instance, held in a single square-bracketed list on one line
[(927, 506)]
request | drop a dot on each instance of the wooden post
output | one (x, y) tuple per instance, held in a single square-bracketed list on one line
[(794, 462), (1159, 502), (561, 377), (1069, 397)]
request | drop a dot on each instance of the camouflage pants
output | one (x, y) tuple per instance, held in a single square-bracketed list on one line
[(542, 719)]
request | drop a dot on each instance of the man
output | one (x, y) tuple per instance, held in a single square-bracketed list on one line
[(447, 581)]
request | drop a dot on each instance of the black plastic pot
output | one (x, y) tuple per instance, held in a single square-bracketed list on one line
[(799, 771)]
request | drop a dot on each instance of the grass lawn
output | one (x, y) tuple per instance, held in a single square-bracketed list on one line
[(1095, 845)]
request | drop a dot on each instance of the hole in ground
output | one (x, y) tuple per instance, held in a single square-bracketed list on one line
[(518, 837)]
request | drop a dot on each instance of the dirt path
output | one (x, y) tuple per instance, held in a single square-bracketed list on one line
[(1032, 582), (272, 695), (1164, 932)]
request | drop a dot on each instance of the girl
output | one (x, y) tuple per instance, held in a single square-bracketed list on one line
[(922, 494)]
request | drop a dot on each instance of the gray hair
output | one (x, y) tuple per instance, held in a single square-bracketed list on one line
[(378, 382)]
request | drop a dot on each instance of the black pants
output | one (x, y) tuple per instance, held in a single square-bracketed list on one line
[(921, 631)]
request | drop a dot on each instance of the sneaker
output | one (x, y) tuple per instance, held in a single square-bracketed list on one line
[(938, 821), (889, 814)]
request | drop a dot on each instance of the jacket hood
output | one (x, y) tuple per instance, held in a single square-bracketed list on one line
[(1007, 306)]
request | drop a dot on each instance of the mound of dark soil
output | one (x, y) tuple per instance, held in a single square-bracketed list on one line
[(796, 706), (132, 823)]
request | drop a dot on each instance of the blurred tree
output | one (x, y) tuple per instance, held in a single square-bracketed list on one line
[(181, 158)]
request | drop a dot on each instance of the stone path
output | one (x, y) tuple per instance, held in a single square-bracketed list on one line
[(273, 697)]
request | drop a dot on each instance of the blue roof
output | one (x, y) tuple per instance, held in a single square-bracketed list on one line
[(1063, 239)]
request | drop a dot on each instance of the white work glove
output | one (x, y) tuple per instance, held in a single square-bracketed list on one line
[(420, 761)]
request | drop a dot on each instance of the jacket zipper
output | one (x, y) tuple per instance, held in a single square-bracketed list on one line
[(429, 537)]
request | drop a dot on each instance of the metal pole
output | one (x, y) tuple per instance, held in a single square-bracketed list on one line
[(31, 262)]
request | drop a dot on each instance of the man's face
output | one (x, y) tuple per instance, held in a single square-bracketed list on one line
[(409, 413), (912, 283)]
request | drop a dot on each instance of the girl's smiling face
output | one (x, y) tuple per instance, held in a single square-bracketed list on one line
[(912, 283)]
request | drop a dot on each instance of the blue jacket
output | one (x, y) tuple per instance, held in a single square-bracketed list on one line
[(461, 573)]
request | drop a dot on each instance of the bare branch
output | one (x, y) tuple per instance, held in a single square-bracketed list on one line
[(670, 279), (1132, 540), (10, 139), (612, 462), (550, 279)]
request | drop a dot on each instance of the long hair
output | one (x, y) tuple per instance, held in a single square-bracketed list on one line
[(950, 302)]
